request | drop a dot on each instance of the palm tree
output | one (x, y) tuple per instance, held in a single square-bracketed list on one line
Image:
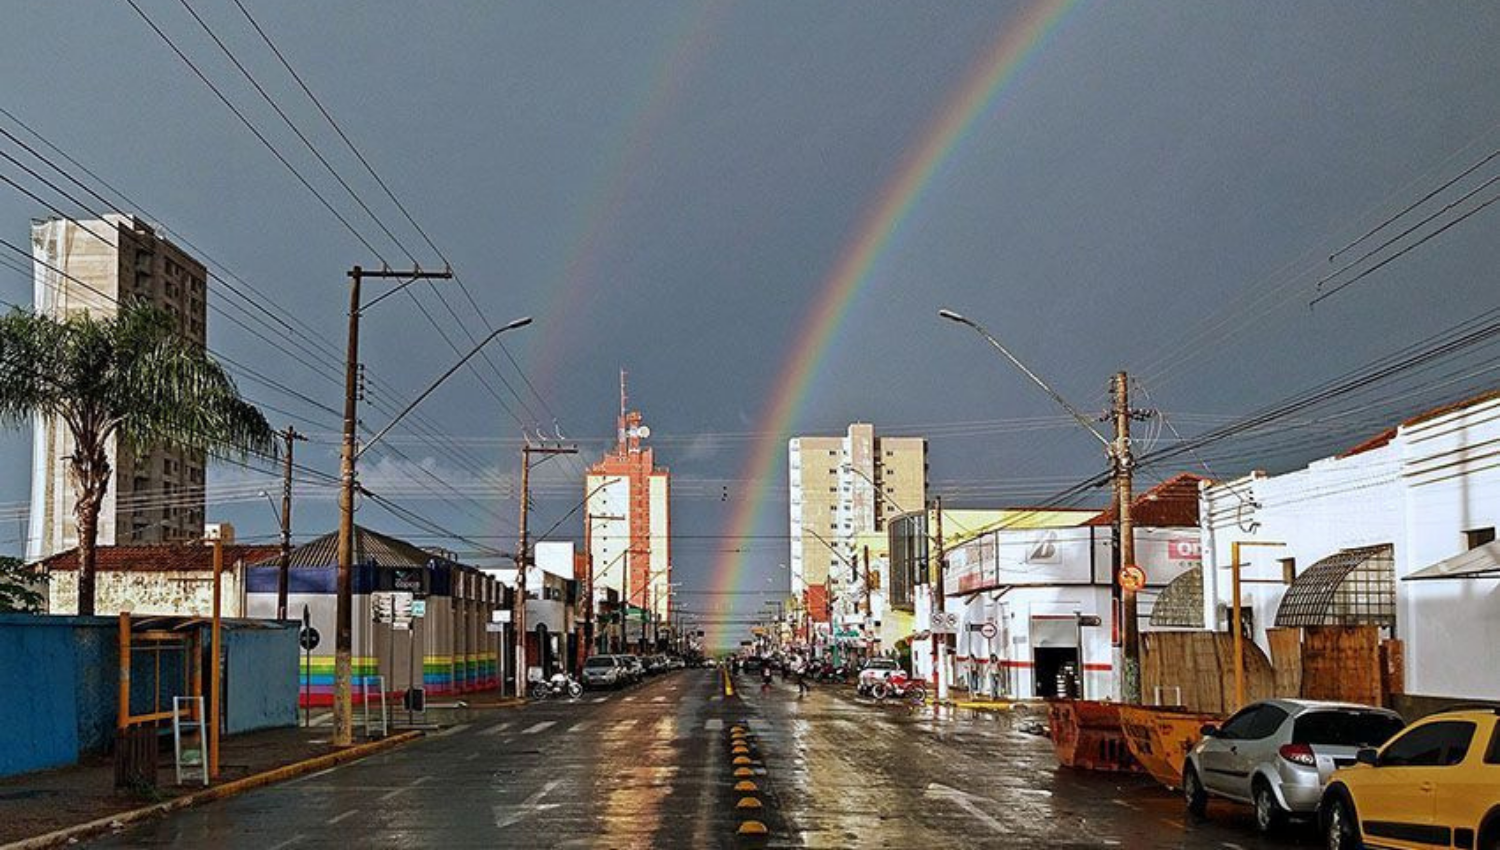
[(132, 377)]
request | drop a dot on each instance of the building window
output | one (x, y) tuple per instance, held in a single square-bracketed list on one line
[(1288, 569), (1476, 537)]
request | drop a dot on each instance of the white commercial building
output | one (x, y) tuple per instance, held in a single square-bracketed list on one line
[(1399, 532)]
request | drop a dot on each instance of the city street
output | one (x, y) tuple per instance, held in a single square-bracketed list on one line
[(649, 766)]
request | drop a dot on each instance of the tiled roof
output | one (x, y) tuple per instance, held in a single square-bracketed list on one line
[(1385, 437), (1170, 504), (168, 557), (368, 546)]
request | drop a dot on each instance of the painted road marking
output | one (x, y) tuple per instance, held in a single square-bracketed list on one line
[(471, 756), (658, 699), (287, 843), (528, 806), (336, 818), (713, 724), (597, 700), (625, 724), (496, 729), (407, 787), (532, 730), (579, 727), (457, 729), (628, 699)]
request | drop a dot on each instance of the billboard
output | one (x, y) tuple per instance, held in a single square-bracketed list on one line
[(1078, 555)]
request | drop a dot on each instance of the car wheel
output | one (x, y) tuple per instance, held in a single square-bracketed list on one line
[(879, 690), (1193, 793), (1340, 829), (1269, 816)]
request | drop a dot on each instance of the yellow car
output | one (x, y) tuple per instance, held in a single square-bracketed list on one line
[(1435, 784)]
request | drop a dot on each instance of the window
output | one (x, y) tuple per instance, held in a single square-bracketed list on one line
[(1266, 722), (1345, 728), (1288, 570), (1493, 756), (1438, 744), (1476, 537), (1238, 725)]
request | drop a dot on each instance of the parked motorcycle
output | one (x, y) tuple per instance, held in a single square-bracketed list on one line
[(900, 686), (557, 686)]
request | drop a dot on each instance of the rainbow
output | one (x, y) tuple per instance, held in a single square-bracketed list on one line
[(690, 42), (1021, 38)]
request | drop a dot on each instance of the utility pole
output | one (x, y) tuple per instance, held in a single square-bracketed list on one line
[(291, 436), (1123, 470), (523, 554), (939, 642), (343, 667)]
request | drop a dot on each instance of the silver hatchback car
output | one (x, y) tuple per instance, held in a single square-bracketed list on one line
[(1277, 755)]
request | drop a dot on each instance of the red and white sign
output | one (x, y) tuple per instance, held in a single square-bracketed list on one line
[(1132, 577)]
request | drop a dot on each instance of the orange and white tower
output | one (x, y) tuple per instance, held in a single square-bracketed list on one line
[(629, 527)]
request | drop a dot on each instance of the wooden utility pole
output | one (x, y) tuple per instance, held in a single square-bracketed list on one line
[(215, 682), (523, 555), (291, 436), (343, 666), (939, 605), (1123, 468), (867, 582)]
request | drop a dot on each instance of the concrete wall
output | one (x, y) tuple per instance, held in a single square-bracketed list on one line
[(166, 592), (38, 716)]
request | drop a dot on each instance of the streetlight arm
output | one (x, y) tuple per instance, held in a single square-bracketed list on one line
[(1073, 411), (518, 323)]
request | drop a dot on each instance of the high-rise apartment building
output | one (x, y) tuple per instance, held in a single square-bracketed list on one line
[(628, 526), (154, 496), (842, 487)]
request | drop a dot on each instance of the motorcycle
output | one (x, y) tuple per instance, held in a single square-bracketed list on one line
[(558, 685), (900, 686)]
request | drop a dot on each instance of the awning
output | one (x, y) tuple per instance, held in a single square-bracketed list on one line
[(1356, 587), (1180, 605), (1479, 562)]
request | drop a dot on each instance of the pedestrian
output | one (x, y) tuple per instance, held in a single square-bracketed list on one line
[(801, 667), (766, 674)]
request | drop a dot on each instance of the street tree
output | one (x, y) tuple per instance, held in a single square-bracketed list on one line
[(18, 586), (132, 377)]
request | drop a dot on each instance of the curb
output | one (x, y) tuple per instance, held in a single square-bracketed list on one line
[(984, 706), (88, 829)]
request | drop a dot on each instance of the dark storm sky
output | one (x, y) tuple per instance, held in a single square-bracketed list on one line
[(666, 185)]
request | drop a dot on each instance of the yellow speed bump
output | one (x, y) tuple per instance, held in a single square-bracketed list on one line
[(741, 760), (740, 749), (748, 803), (742, 772), (745, 785), (736, 730), (752, 827)]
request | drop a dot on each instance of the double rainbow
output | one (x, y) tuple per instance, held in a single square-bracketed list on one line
[(1021, 38)]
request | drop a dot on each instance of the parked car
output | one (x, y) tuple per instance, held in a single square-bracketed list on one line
[(875, 670), (1436, 784), (1277, 755), (602, 671), (633, 666)]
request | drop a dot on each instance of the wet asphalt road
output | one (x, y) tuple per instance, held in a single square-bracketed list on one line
[(650, 766)]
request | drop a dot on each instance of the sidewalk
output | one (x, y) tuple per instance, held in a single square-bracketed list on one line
[(38, 803)]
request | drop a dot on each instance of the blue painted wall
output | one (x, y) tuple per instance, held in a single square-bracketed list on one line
[(261, 678), (59, 684), (38, 715)]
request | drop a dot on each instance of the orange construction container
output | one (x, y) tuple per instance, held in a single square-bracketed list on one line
[(1087, 735), (1160, 738)]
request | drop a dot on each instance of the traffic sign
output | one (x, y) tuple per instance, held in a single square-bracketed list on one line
[(308, 638), (944, 622), (419, 607), (989, 631), (1132, 577)]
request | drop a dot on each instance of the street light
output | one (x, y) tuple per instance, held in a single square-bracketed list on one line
[(343, 691)]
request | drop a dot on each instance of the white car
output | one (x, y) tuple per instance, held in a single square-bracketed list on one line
[(876, 670)]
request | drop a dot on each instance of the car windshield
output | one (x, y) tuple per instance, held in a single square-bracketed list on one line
[(880, 664), (1345, 728), (599, 662)]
